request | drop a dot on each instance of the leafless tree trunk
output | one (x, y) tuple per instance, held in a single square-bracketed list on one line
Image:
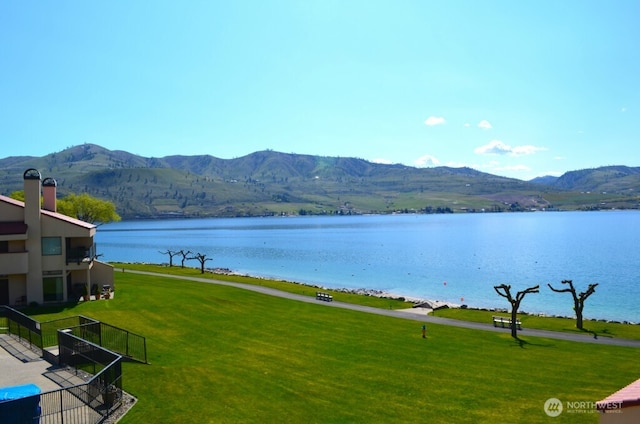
[(578, 299), (202, 259), (185, 256), (505, 291), (171, 254)]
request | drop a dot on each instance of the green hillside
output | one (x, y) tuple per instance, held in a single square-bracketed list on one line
[(271, 183)]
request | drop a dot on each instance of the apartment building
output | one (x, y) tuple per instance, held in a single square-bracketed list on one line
[(45, 256)]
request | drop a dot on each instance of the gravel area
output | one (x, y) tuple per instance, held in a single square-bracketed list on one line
[(127, 403)]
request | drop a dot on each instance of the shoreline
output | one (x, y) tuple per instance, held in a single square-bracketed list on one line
[(432, 304), (418, 302)]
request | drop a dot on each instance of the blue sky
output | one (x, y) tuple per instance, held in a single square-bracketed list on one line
[(514, 88)]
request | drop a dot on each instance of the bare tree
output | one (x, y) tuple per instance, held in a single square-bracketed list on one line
[(185, 255), (202, 259), (505, 291), (171, 254), (578, 299)]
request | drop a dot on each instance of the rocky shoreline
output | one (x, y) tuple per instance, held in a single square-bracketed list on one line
[(417, 302)]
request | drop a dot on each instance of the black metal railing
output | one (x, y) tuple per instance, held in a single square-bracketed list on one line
[(87, 348), (90, 402), (69, 405), (4, 322), (130, 345), (49, 329), (81, 254), (25, 328), (104, 390)]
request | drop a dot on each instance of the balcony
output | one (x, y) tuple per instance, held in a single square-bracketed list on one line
[(81, 255), (14, 263)]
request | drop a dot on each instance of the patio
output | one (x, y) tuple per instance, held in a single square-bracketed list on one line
[(20, 365), (86, 387)]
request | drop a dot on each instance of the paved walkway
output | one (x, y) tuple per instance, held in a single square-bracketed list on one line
[(411, 315)]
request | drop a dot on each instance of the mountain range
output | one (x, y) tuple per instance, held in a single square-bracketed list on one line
[(274, 183)]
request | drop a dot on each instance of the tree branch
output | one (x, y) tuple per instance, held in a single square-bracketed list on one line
[(590, 290), (520, 295), (570, 289), (506, 291)]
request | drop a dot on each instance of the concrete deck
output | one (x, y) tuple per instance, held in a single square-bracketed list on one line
[(19, 365)]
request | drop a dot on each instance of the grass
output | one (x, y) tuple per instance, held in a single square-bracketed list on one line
[(287, 286), (599, 328), (221, 354), (568, 325)]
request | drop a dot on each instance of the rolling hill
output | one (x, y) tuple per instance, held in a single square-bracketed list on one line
[(272, 183)]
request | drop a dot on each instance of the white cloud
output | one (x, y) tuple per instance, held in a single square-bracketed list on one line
[(426, 161), (497, 147), (434, 120), (527, 150), (485, 125), (382, 161), (467, 125)]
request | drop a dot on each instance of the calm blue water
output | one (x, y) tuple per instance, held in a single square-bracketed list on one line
[(414, 255)]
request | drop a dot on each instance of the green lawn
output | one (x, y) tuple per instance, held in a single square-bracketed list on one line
[(288, 286), (221, 354), (602, 329), (599, 328)]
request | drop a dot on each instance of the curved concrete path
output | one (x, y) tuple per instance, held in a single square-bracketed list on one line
[(407, 315)]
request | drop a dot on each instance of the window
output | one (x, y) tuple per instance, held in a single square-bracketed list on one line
[(51, 246), (52, 289)]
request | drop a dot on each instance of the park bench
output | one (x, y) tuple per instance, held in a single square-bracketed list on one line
[(324, 296), (502, 321)]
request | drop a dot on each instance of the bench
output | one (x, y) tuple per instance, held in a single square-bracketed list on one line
[(324, 296), (502, 321)]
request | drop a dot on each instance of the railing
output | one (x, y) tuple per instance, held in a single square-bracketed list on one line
[(90, 402), (85, 346), (4, 322), (68, 405), (14, 262), (24, 327), (49, 329), (86, 357), (81, 254), (130, 345)]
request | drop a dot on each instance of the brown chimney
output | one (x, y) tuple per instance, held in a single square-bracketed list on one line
[(49, 194)]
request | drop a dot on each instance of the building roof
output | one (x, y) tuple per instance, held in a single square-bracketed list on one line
[(68, 219), (625, 397), (9, 200), (55, 215)]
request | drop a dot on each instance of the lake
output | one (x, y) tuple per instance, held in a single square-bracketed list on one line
[(456, 258)]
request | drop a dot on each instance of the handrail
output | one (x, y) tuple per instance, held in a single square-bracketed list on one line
[(92, 401)]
